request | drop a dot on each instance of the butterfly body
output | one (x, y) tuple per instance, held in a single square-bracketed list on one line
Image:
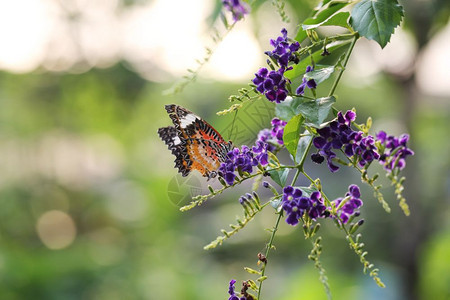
[(195, 144)]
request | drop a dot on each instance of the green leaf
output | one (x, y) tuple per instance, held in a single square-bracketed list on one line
[(376, 19), (287, 109), (339, 19), (307, 191), (316, 111), (299, 69), (279, 176), (320, 75), (321, 15), (292, 134), (302, 147)]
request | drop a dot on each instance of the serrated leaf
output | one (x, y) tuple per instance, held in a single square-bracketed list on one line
[(376, 19), (320, 75), (321, 15), (339, 19), (299, 69), (279, 176), (316, 111), (292, 134), (302, 147)]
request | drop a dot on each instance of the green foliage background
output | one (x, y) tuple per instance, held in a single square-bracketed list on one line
[(132, 242)]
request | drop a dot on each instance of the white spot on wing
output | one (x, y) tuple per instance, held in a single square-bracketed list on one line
[(188, 120), (176, 140)]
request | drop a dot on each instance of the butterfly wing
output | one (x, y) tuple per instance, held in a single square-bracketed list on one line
[(198, 145), (170, 137)]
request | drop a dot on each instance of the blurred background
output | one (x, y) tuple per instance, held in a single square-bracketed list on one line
[(89, 198)]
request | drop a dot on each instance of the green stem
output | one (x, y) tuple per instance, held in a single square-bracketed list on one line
[(296, 176), (269, 246), (344, 64), (272, 237)]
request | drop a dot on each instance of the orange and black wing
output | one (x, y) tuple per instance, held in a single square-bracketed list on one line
[(195, 144)]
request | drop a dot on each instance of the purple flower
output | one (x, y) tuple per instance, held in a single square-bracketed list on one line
[(284, 51), (265, 136), (346, 119), (317, 209), (271, 84), (353, 202), (270, 138), (339, 135), (278, 130), (393, 151), (311, 83), (237, 8), (366, 150), (294, 204), (231, 291), (242, 160), (260, 151), (330, 138)]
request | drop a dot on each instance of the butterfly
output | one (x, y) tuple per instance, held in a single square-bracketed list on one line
[(195, 144)]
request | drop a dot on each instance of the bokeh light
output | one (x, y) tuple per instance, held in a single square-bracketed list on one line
[(56, 229)]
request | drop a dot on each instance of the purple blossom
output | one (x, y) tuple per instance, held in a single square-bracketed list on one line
[(311, 83), (278, 130), (238, 160), (243, 160), (273, 135), (317, 209), (393, 151), (231, 291), (353, 202), (339, 135), (272, 84), (295, 204), (237, 8), (265, 136), (366, 150), (390, 151), (260, 151), (284, 51)]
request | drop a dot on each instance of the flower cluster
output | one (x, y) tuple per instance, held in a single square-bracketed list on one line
[(352, 202), (394, 151), (339, 135), (265, 136), (272, 136), (278, 130), (243, 160), (311, 83), (237, 8), (272, 84), (295, 205), (284, 51)]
